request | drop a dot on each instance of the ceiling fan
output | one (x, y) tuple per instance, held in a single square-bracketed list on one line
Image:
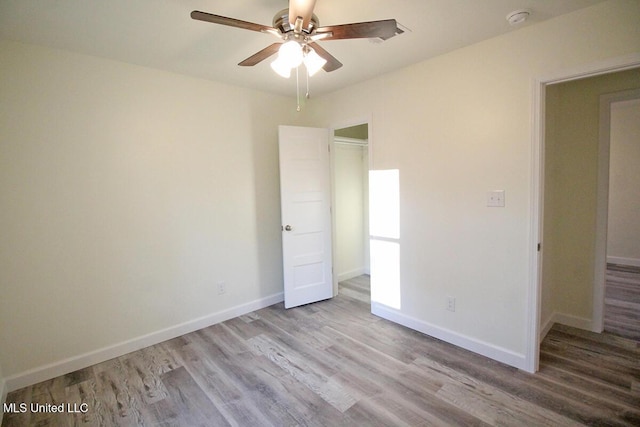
[(298, 29)]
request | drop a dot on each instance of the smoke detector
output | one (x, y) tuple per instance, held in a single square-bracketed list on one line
[(518, 16)]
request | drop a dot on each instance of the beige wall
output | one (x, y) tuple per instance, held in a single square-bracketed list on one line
[(350, 173), (623, 236), (456, 127), (571, 174), (127, 194)]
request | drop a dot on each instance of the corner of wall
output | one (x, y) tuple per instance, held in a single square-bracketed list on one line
[(567, 320), (547, 324), (62, 367), (574, 322)]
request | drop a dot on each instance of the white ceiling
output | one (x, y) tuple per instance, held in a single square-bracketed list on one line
[(160, 33)]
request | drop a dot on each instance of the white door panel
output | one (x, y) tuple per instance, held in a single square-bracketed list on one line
[(306, 217)]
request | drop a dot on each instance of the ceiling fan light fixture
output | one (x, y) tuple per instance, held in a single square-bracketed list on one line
[(291, 54), (281, 67), (313, 62)]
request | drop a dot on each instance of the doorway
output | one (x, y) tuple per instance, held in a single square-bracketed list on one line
[(576, 198), (541, 307), (350, 180), (620, 124)]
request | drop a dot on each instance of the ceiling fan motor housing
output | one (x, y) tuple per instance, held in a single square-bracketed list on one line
[(281, 22)]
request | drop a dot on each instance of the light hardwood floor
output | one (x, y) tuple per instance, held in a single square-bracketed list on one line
[(333, 363), (622, 301)]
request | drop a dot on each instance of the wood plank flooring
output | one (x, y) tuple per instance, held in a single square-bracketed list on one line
[(334, 364), (622, 301)]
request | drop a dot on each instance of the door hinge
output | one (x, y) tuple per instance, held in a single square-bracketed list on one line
[(539, 246)]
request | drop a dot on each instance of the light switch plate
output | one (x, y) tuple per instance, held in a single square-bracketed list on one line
[(495, 199)]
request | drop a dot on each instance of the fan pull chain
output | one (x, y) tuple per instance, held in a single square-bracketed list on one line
[(307, 73), (297, 90)]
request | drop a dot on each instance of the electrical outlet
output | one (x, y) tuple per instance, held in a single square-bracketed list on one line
[(222, 288), (495, 199), (451, 304)]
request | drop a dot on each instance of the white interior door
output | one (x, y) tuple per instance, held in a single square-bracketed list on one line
[(305, 186)]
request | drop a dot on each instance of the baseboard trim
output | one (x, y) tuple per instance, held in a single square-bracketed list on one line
[(546, 326), (574, 321), (353, 273), (485, 349), (567, 320), (62, 367), (633, 262)]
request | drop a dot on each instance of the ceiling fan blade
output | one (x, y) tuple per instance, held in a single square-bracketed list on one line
[(231, 22), (332, 63), (303, 9), (261, 56), (361, 30)]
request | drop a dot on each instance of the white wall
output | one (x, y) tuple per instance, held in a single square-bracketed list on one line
[(127, 194), (456, 127), (350, 173), (623, 236)]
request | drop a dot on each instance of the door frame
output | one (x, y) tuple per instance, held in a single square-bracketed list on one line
[(534, 290), (361, 120)]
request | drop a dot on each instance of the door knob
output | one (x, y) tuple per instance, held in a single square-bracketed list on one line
[(288, 228)]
